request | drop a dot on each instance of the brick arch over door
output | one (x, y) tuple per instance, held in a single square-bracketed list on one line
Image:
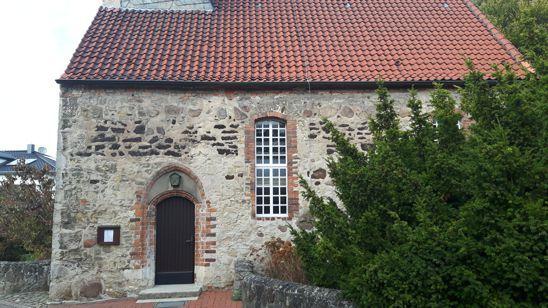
[(292, 158), (181, 169), (143, 224)]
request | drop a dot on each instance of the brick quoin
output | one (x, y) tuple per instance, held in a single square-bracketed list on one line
[(143, 224), (292, 157)]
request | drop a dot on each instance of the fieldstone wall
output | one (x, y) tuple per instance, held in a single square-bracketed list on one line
[(24, 276), (259, 291), (182, 5), (113, 143)]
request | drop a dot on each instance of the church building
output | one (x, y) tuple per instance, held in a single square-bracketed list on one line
[(184, 125)]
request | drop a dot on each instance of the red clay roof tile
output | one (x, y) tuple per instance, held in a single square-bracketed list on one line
[(293, 41)]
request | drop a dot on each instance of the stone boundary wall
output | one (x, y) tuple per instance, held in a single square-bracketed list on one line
[(24, 276), (260, 291)]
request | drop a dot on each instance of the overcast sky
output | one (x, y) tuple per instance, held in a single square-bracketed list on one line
[(37, 39)]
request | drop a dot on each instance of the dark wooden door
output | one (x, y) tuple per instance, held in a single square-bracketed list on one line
[(175, 241)]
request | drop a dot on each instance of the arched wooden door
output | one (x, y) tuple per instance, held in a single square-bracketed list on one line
[(175, 241)]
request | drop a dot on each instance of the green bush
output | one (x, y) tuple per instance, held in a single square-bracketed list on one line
[(12, 251), (437, 215), (26, 214)]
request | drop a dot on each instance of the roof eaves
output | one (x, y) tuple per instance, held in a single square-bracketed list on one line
[(510, 49), (202, 85)]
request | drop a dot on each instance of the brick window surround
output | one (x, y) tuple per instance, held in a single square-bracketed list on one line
[(292, 171), (143, 224)]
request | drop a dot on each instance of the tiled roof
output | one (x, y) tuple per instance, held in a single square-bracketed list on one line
[(292, 41), (35, 159)]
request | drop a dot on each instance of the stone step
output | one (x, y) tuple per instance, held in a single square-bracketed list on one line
[(170, 292)]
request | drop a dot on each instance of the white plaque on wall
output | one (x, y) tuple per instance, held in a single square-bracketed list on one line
[(109, 236)]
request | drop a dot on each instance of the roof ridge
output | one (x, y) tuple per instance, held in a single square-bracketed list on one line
[(155, 10), (44, 156), (510, 49), (25, 151)]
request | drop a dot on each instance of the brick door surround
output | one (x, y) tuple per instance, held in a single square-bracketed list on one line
[(143, 224)]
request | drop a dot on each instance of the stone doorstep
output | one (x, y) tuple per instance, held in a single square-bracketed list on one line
[(181, 300), (176, 292)]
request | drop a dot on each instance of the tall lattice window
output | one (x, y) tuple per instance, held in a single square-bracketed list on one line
[(270, 169)]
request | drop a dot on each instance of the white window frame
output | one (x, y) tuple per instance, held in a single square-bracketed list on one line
[(276, 180)]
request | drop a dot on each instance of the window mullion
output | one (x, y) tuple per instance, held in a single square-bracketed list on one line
[(271, 166), (270, 144)]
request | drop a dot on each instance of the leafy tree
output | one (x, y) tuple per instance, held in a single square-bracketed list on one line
[(524, 23), (26, 213), (436, 215)]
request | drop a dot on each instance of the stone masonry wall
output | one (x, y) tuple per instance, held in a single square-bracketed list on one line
[(24, 276), (114, 142), (183, 5), (260, 291)]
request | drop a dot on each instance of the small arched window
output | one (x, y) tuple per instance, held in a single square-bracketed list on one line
[(271, 169)]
